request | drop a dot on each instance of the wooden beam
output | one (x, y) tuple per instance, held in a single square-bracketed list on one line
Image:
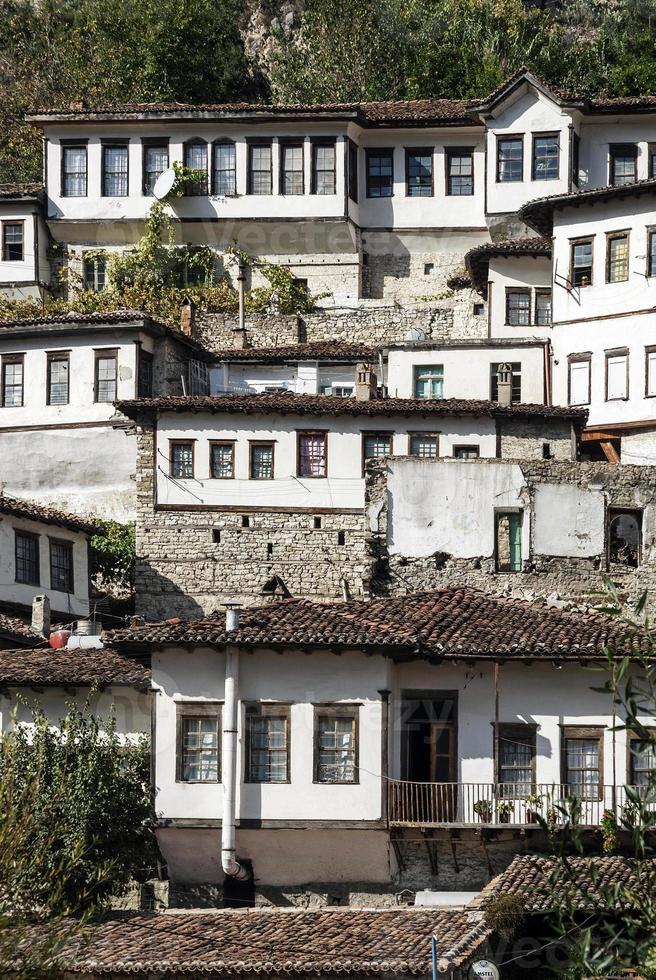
[(593, 435), (610, 452)]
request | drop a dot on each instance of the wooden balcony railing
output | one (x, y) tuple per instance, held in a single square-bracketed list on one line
[(476, 804)]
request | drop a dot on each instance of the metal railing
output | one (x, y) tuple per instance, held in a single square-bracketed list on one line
[(477, 804)]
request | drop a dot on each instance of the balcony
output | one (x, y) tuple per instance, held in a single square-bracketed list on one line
[(413, 804)]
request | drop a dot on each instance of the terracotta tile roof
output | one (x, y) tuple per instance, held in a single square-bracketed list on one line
[(30, 511), (287, 403), (322, 350), (539, 213), (288, 942), (15, 627), (527, 74), (477, 259), (20, 190), (543, 883), (46, 667), (446, 623)]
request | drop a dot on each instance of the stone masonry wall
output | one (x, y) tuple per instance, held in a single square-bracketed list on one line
[(573, 581)]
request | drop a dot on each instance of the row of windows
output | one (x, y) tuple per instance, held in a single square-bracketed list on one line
[(58, 373), (311, 454), (616, 376), (617, 258), (267, 744), (545, 158), (528, 307), (28, 565)]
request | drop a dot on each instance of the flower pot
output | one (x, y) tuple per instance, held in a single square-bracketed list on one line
[(504, 817), (531, 816)]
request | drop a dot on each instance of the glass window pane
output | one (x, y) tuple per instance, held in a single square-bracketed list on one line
[(182, 460), (376, 446), (12, 383), (380, 180), (75, 171), (312, 454), (225, 171), (222, 461), (200, 749), (510, 158), (429, 381), (61, 566), (58, 381), (461, 174), (12, 242), (420, 174), (545, 158), (261, 462), (115, 171), (195, 155), (156, 161)]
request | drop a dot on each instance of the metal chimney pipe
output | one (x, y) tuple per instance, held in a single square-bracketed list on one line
[(241, 286), (229, 863)]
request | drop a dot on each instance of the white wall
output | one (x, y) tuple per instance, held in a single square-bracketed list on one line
[(598, 133), (77, 602), (302, 377), (32, 266), (131, 708), (511, 272)]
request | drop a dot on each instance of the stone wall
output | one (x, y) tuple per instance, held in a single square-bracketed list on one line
[(531, 439), (572, 581)]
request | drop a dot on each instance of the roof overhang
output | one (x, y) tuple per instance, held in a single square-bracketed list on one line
[(539, 214)]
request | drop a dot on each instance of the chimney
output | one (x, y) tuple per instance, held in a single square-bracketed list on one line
[(504, 384), (232, 615), (240, 338), (187, 316), (365, 383), (241, 289), (41, 615)]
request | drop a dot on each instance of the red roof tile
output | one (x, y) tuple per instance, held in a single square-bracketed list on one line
[(20, 190), (46, 667), (321, 350), (539, 213), (15, 627), (31, 511)]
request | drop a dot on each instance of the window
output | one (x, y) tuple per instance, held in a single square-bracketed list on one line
[(181, 457), (312, 453), (259, 168), (479, 309), (224, 171), (12, 241), (95, 274), (58, 378), (624, 535), (581, 263), (546, 160), (518, 307), (155, 162), (352, 171), (115, 180), (222, 460), (267, 738), (380, 173), (429, 381), (466, 452), (642, 760), (291, 169), (510, 159), (543, 307), (198, 755), (335, 744), (460, 172), (195, 158), (261, 461), (652, 161), (582, 762), (61, 565), (576, 156), (516, 759), (12, 380), (323, 168), (419, 173), (617, 375), (106, 373), (74, 171), (623, 159), (375, 445), (27, 557), (516, 389), (650, 372), (145, 374), (651, 253), (424, 445), (617, 258), (579, 381), (509, 541)]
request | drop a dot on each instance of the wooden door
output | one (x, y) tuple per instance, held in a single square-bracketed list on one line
[(443, 769)]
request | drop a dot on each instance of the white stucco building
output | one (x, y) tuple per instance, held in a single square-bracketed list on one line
[(25, 271)]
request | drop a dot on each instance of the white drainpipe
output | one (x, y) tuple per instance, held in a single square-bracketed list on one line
[(229, 862)]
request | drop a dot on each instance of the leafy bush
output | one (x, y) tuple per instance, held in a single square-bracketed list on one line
[(113, 558)]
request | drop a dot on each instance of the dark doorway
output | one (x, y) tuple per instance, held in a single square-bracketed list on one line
[(429, 736)]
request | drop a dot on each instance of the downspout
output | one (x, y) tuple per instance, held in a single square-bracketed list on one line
[(229, 863)]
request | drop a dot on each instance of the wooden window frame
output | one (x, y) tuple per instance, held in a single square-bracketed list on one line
[(515, 730), (145, 357), (323, 143), (506, 138), (588, 732), (51, 358), (457, 151), (612, 236), (95, 263), (366, 433), (255, 144), (614, 151), (632, 736), (117, 144), (202, 189), (372, 151), (196, 709), (651, 251), (498, 514), (419, 434), (222, 442), (173, 443), (351, 711), (573, 242), (35, 539), (17, 222), (519, 291), (54, 541), (268, 709), (6, 359), (311, 432), (468, 447), (427, 151), (65, 145), (577, 359), (537, 136), (213, 183), (253, 443), (100, 354), (608, 354), (649, 349), (542, 292), (148, 143), (294, 144), (353, 170), (416, 369)]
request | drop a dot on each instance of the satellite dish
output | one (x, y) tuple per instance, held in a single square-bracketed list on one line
[(415, 334), (164, 184)]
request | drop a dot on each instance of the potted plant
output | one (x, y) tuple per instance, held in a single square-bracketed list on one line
[(630, 815), (483, 809), (533, 804), (504, 809), (609, 834)]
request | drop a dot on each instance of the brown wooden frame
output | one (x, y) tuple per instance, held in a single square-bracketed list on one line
[(222, 442), (13, 221), (317, 142), (71, 551), (457, 151), (535, 136), (507, 137), (573, 242), (351, 711), (73, 144), (418, 433), (616, 352), (261, 442), (12, 359), (182, 442), (253, 144), (524, 291), (213, 191), (377, 151), (582, 731), (104, 354), (268, 709), (516, 730), (114, 144), (35, 538), (419, 151), (374, 432), (196, 709), (540, 291), (650, 250), (467, 446), (198, 190), (576, 359), (148, 142), (58, 355), (615, 150), (612, 236), (631, 736), (311, 432), (649, 349), (293, 143)]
